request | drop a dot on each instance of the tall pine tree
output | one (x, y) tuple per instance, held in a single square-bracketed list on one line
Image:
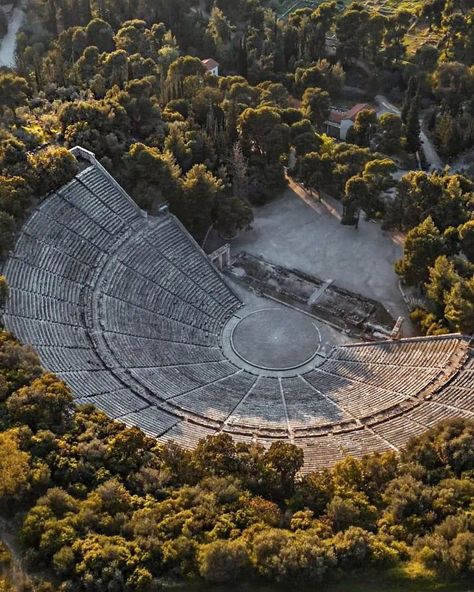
[(410, 93), (413, 142)]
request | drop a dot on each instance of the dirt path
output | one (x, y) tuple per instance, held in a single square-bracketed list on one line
[(331, 206), (11, 542), (429, 151), (318, 204)]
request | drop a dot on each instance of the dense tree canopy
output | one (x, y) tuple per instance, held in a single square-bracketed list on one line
[(102, 506), (127, 82)]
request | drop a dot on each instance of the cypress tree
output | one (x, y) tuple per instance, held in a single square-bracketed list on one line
[(410, 93), (242, 57), (231, 130), (413, 142)]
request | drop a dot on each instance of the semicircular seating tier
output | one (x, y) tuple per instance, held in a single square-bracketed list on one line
[(130, 312)]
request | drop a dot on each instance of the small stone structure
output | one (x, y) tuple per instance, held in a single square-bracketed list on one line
[(397, 329), (221, 257)]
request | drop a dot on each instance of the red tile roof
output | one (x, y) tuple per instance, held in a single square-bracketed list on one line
[(338, 116), (210, 63)]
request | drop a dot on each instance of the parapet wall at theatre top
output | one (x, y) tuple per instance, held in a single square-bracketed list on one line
[(129, 311)]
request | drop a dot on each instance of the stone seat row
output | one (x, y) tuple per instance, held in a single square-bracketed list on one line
[(106, 190), (179, 248), (187, 434), (149, 295), (132, 352), (465, 379), (429, 413), (337, 447), (412, 352), (170, 381), (86, 383), (64, 359), (134, 315), (71, 223), (389, 378), (83, 214), (398, 429), (307, 407), (45, 332), (116, 403), (356, 398), (168, 252), (38, 281), (94, 188), (29, 305), (155, 281), (68, 262), (65, 267), (127, 319), (218, 400), (457, 397)]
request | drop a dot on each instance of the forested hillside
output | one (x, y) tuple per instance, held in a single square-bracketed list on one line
[(126, 81), (98, 506)]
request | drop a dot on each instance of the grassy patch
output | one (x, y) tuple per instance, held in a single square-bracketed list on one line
[(285, 7), (419, 37), (409, 577)]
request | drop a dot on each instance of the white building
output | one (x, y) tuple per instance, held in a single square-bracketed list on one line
[(339, 121), (211, 66)]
